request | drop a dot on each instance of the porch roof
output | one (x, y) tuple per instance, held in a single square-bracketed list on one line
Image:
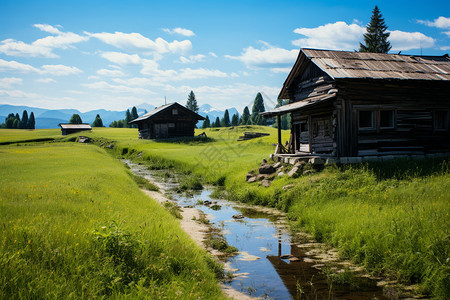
[(308, 102)]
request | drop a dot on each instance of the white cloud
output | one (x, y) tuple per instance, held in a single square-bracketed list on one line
[(110, 73), (199, 73), (192, 59), (441, 22), (445, 48), (14, 66), (267, 57), (401, 40), (46, 80), (41, 47), (59, 70), (48, 28), (213, 54), (333, 36), (137, 42), (447, 33), (122, 58), (181, 31), (8, 82), (18, 94), (104, 86)]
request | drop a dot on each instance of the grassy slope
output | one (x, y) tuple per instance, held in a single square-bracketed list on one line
[(53, 198), (397, 226), (396, 222)]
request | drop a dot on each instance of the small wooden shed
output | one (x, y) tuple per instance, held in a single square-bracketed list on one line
[(168, 121), (67, 128), (353, 104)]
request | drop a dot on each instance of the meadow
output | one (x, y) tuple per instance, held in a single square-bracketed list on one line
[(74, 224), (392, 218)]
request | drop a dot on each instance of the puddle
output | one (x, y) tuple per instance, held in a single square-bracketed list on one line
[(270, 264)]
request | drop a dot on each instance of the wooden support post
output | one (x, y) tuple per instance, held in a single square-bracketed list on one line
[(279, 129)]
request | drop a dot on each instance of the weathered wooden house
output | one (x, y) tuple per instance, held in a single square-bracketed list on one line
[(67, 128), (168, 121), (352, 104)]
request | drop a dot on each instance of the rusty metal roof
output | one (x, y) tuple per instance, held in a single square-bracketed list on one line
[(344, 64), (298, 105), (83, 126)]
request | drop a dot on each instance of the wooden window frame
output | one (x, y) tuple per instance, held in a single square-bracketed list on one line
[(373, 127)]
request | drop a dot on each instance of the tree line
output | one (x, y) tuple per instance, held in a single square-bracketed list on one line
[(129, 116), (13, 121), (247, 118), (76, 119)]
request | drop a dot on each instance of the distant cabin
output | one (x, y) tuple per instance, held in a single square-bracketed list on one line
[(72, 128), (168, 121), (352, 104)]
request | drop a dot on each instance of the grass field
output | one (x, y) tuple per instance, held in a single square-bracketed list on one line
[(74, 224), (393, 218)]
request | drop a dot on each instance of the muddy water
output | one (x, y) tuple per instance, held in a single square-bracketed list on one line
[(271, 263)]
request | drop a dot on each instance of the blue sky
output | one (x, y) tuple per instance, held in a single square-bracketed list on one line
[(115, 54)]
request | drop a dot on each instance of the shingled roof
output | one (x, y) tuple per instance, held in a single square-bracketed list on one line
[(156, 111), (359, 65)]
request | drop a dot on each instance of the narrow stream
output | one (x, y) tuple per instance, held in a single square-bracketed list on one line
[(270, 264)]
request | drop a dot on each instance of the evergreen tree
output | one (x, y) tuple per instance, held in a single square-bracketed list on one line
[(192, 102), (128, 118), (117, 124), (235, 120), (24, 121), (16, 124), (31, 122), (245, 118), (98, 122), (226, 119), (217, 123), (206, 123), (376, 38), (9, 122), (134, 115), (258, 107), (75, 119)]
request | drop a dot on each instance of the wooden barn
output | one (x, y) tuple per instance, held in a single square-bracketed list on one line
[(352, 104), (168, 121), (67, 128)]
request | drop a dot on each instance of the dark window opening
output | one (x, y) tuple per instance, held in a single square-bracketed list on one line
[(387, 119), (366, 119), (303, 127), (174, 111), (440, 120)]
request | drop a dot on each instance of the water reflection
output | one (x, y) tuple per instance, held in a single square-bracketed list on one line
[(269, 263)]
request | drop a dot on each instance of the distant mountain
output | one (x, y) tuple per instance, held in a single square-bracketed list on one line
[(50, 118), (213, 113)]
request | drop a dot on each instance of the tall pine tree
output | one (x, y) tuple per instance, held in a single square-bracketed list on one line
[(97, 122), (24, 121), (376, 38), (235, 120), (31, 122), (226, 119), (258, 107), (206, 123), (217, 123), (245, 118), (134, 115), (192, 102), (128, 118)]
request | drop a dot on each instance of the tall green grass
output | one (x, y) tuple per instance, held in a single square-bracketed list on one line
[(74, 224), (391, 217)]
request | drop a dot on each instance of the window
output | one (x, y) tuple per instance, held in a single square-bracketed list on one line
[(440, 120), (366, 119), (387, 119), (303, 126), (171, 125), (174, 111)]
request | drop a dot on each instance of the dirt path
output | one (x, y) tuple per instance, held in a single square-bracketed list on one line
[(197, 231)]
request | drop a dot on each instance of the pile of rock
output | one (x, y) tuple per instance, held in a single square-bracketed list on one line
[(268, 172)]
